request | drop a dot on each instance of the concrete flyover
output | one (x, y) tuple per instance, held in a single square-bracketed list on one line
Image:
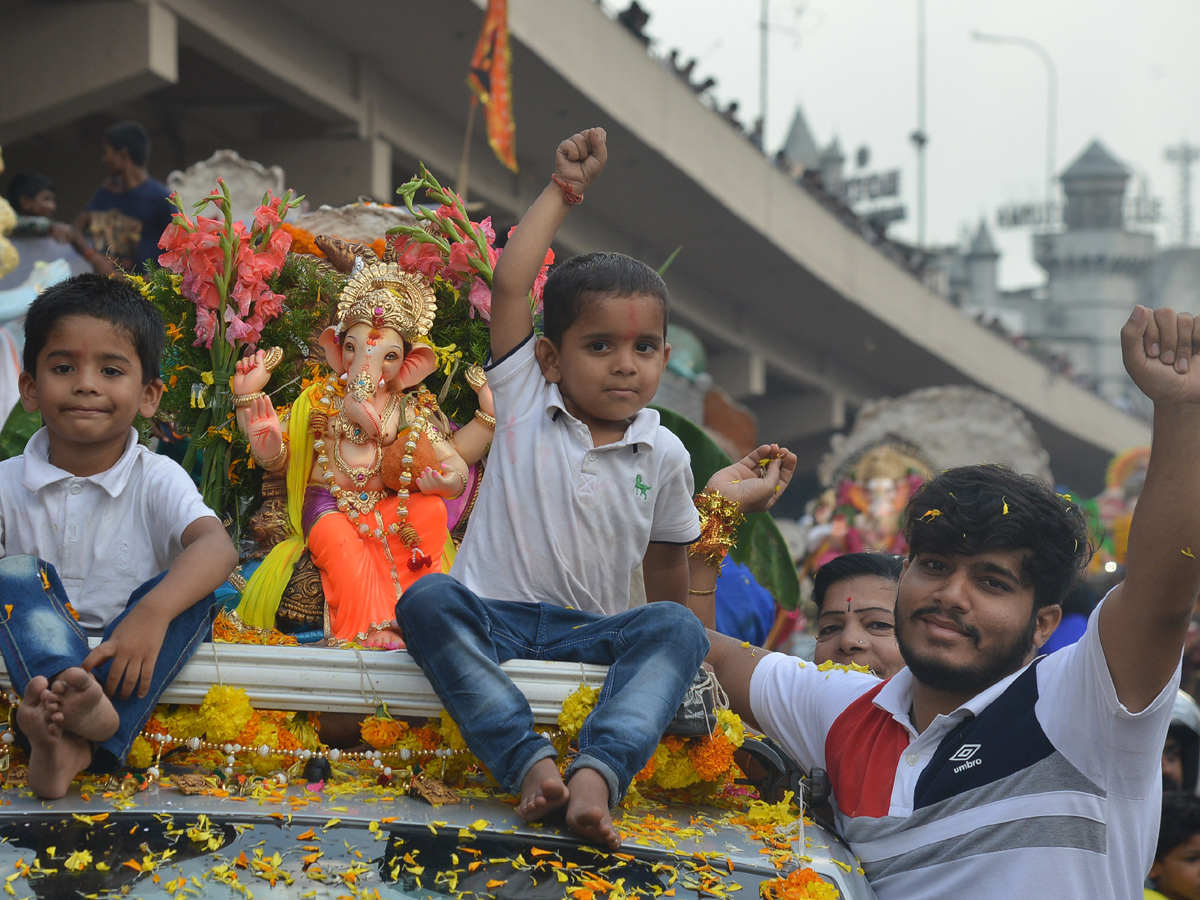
[(802, 318)]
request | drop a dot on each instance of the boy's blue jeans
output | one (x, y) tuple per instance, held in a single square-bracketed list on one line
[(40, 637), (459, 639)]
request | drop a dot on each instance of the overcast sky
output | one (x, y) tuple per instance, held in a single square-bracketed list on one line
[(1128, 74)]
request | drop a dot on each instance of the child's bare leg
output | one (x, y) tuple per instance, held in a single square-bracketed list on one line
[(542, 791), (86, 710), (55, 756), (587, 809)]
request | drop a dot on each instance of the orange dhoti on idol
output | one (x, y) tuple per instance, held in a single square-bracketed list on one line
[(363, 575)]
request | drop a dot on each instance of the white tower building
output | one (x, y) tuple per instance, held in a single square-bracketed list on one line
[(1096, 271)]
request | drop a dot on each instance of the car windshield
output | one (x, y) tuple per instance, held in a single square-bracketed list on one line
[(163, 855)]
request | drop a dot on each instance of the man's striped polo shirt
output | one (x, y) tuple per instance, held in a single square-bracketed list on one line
[(1041, 785)]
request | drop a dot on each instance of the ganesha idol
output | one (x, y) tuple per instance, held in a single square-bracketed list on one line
[(370, 461)]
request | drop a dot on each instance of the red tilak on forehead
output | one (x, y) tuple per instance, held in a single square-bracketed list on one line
[(849, 600)]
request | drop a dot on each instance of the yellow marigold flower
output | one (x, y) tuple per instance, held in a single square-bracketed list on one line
[(226, 712), (829, 665), (78, 861), (185, 722), (730, 723), (678, 772), (141, 754), (576, 708), (450, 733), (268, 734), (760, 813), (304, 726), (381, 732)]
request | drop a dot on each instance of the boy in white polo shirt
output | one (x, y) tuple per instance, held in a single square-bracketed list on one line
[(96, 528), (583, 484)]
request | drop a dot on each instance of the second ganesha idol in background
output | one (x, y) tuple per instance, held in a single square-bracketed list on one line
[(370, 460)]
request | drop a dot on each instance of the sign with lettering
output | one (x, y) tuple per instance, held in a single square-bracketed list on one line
[(872, 187), (1137, 211)]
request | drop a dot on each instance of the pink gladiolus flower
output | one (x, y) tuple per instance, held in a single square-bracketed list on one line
[(480, 298), (175, 235), (268, 306), (417, 256), (458, 265), (206, 326), (267, 216), (539, 285)]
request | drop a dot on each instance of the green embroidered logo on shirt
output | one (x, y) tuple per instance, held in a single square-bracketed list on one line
[(641, 487)]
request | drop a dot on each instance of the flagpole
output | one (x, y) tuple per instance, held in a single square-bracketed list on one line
[(464, 161)]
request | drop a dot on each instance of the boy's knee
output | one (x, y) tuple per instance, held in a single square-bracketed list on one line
[(433, 590), (685, 629), (19, 566)]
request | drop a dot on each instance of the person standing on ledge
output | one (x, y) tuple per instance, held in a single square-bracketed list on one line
[(130, 210)]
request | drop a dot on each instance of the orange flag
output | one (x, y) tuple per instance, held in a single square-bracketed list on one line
[(491, 80)]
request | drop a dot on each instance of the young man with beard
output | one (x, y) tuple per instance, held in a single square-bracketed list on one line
[(977, 771)]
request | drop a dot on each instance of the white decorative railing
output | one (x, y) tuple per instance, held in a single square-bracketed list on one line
[(352, 681)]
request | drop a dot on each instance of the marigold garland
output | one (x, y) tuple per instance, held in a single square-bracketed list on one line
[(677, 762), (719, 519), (576, 708)]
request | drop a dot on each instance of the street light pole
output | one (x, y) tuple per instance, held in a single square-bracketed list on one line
[(920, 137), (1051, 98), (763, 41)]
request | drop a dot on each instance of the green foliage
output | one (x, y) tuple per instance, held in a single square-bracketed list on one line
[(456, 332), (760, 546), (19, 427)]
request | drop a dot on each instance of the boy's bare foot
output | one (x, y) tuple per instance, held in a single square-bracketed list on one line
[(542, 791), (55, 757), (587, 810), (86, 710)]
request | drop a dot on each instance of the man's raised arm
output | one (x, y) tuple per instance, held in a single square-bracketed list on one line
[(1144, 621)]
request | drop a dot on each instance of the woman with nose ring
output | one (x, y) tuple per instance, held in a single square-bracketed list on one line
[(855, 596)]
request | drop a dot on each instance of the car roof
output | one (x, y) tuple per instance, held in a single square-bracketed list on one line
[(358, 839)]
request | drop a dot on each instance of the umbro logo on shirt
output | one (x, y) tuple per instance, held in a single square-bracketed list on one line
[(966, 755)]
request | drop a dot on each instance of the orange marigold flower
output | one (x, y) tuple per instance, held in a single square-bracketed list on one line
[(430, 739), (712, 757), (302, 240), (802, 884), (246, 737), (647, 771), (381, 732)]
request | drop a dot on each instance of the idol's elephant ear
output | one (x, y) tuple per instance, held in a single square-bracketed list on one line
[(419, 364)]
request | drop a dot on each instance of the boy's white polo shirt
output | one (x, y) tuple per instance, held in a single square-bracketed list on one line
[(559, 520), (105, 534)]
